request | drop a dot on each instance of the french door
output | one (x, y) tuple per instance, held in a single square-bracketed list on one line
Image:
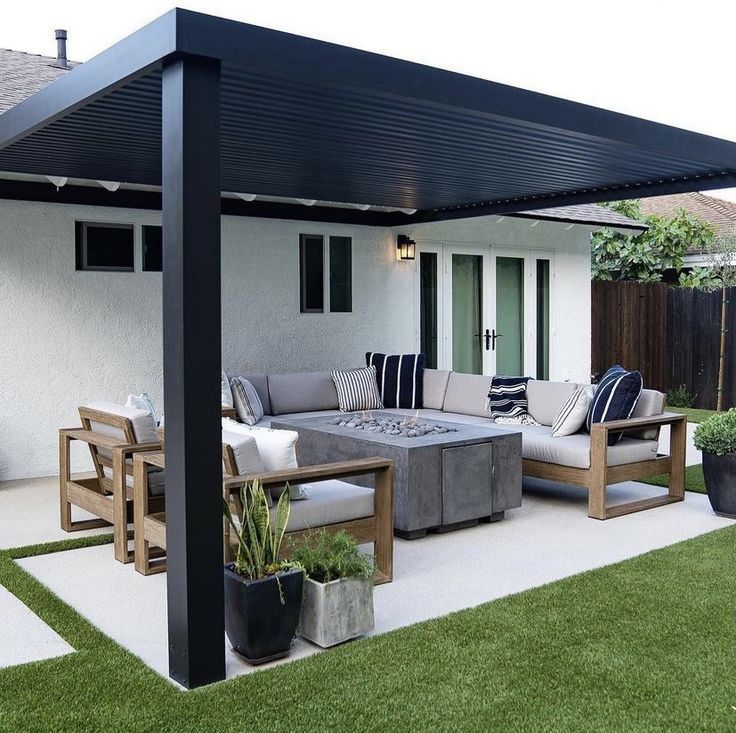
[(485, 309)]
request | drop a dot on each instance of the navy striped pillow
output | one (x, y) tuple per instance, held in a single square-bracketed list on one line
[(615, 399), (400, 378), (507, 397)]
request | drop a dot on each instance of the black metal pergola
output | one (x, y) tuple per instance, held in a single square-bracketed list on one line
[(199, 105)]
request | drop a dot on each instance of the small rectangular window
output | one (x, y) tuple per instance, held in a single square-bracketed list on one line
[(311, 273), (341, 274), (103, 246), (152, 249)]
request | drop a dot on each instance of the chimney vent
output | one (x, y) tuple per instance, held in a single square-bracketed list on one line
[(61, 60)]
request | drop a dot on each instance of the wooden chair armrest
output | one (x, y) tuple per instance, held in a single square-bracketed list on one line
[(96, 439), (140, 447), (323, 472), (636, 423)]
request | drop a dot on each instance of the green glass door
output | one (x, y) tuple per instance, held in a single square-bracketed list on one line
[(509, 342), (467, 313)]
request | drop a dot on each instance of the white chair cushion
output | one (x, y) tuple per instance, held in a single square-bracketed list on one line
[(226, 395), (144, 427), (277, 449), (156, 478), (331, 502), (245, 451)]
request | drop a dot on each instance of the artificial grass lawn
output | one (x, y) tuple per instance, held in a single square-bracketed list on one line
[(646, 644), (694, 414), (694, 479)]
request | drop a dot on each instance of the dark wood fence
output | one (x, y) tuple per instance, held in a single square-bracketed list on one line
[(671, 335)]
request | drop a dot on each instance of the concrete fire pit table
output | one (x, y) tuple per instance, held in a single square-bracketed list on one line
[(448, 475)]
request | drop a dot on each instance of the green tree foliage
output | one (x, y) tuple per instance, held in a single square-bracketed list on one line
[(645, 256)]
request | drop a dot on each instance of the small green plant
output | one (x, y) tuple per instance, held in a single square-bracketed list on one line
[(259, 540), (681, 397), (326, 556), (717, 435)]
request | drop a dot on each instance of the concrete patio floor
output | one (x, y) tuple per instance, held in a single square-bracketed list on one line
[(548, 538)]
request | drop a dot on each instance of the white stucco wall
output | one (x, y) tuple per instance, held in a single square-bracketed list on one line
[(70, 337), (570, 289)]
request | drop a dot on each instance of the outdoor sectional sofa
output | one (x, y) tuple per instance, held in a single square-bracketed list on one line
[(581, 459)]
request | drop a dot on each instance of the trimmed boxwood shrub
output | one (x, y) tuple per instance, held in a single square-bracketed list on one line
[(717, 434)]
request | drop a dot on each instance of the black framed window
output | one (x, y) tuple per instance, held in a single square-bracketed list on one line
[(341, 274), (428, 292), (152, 248), (311, 273), (104, 247)]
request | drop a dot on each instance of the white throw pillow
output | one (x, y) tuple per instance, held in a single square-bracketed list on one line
[(226, 395), (246, 400), (571, 416), (357, 389), (277, 449), (143, 402)]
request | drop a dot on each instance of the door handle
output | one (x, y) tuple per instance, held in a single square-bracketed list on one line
[(491, 337)]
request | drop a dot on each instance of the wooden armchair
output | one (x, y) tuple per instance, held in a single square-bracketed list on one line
[(150, 525), (109, 494)]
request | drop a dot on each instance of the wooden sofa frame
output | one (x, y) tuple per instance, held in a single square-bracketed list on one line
[(150, 525), (109, 499), (600, 475)]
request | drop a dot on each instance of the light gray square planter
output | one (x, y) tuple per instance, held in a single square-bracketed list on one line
[(336, 612)]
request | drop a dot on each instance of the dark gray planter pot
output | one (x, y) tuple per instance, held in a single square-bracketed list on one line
[(258, 624), (720, 482), (335, 612)]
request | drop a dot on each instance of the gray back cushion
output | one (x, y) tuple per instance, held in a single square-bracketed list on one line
[(546, 398), (466, 394), (650, 403), (260, 383), (435, 386), (302, 392)]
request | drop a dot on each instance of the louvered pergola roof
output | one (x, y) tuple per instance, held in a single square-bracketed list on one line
[(307, 119)]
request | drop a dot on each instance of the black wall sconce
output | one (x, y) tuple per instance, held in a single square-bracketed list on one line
[(406, 247)]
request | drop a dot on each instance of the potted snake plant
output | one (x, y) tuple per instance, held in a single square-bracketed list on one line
[(263, 594), (338, 592), (716, 438)]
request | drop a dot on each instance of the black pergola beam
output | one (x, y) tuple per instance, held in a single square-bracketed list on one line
[(112, 69), (192, 349), (614, 193)]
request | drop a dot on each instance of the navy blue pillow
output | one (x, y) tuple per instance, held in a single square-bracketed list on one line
[(507, 397), (615, 398), (400, 378)]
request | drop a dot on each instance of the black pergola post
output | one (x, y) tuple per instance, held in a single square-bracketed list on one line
[(191, 304)]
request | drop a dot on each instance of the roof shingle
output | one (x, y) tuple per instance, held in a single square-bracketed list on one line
[(720, 214), (24, 74)]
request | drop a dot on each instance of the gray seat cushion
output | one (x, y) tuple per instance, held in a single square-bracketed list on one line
[(546, 398), (537, 444), (435, 386), (466, 394), (650, 403), (301, 392), (260, 383), (330, 502)]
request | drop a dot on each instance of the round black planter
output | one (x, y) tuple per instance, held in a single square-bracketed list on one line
[(259, 626), (720, 482)]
